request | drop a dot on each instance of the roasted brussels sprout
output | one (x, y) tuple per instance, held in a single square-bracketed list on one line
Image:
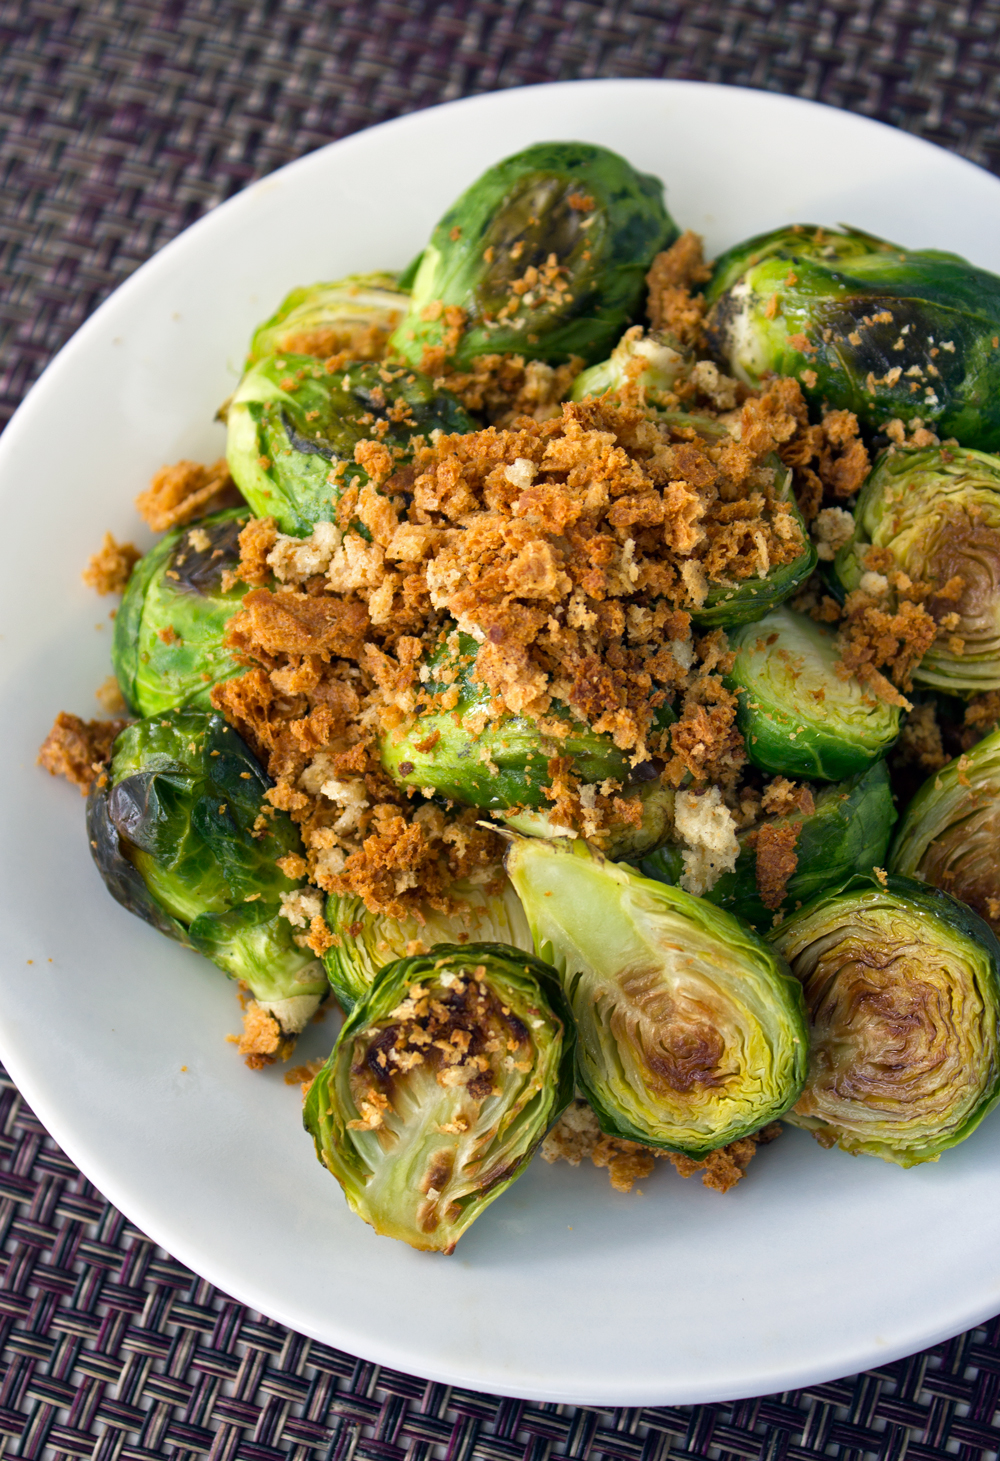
[(167, 648), (445, 1078), (902, 984), (691, 1031), (864, 325), (545, 256), (796, 713), (460, 754), (183, 836), (293, 427), (937, 512), (848, 830), (365, 942), (648, 366), (357, 314), (949, 834)]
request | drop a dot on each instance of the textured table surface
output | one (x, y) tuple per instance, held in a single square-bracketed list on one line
[(120, 123)]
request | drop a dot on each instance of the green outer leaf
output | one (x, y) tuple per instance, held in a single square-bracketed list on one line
[(284, 403), (949, 834), (344, 304), (154, 675), (384, 1175), (506, 765), (369, 941), (848, 832), (937, 511), (178, 813), (921, 918), (627, 227), (785, 727), (643, 965), (841, 289)]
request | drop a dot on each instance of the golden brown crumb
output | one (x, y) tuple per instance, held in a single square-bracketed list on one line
[(672, 304), (185, 491), (981, 716), (872, 638), (304, 1075), (505, 387), (78, 749), (776, 860), (782, 797), (920, 741), (110, 570), (261, 1042), (109, 696)]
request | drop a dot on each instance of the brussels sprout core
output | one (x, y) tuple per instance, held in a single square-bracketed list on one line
[(444, 1080), (902, 984), (797, 714), (691, 1033), (356, 314)]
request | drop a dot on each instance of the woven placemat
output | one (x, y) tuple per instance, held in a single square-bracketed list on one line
[(120, 123)]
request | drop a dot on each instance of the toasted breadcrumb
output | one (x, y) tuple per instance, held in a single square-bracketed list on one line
[(828, 459), (672, 303), (109, 696), (831, 529), (261, 1042), (184, 491), (78, 749), (872, 638), (505, 387), (920, 741), (304, 1075), (776, 860), (981, 716), (708, 828), (110, 570)]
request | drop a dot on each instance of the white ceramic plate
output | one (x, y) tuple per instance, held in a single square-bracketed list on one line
[(818, 1264)]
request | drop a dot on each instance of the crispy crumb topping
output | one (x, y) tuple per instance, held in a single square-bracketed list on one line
[(185, 491), (110, 570), (78, 749)]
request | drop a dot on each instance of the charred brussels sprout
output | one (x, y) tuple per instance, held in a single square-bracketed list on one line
[(937, 513), (902, 984), (293, 427), (174, 832), (646, 367), (796, 714), (365, 942), (445, 1078), (860, 322), (950, 832), (848, 830), (691, 1031), (545, 256), (167, 649), (357, 314)]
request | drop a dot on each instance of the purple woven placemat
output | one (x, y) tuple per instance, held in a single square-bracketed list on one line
[(120, 123)]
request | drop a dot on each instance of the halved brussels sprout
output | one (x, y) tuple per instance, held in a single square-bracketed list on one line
[(691, 1031), (167, 648), (445, 1078), (937, 512), (950, 832), (620, 839), (293, 427), (648, 366), (902, 984), (797, 715), (183, 836), (545, 256), (848, 831), (865, 326), (365, 942), (357, 313)]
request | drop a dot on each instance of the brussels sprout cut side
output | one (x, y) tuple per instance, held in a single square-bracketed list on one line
[(167, 648), (691, 1030), (902, 984), (292, 428), (365, 942), (860, 322), (797, 715), (445, 1078), (649, 366), (174, 832), (848, 831), (322, 319), (937, 512), (546, 256), (950, 833)]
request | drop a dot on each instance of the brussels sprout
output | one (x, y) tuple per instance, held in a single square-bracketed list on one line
[(848, 830), (292, 429), (691, 1031), (322, 319), (796, 713), (902, 984), (546, 256), (445, 1078), (865, 326), (937, 512), (648, 365), (620, 840), (167, 648), (183, 836), (950, 832), (365, 942), (505, 764)]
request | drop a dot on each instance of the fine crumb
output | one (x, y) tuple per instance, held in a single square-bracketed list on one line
[(304, 1075), (831, 529), (110, 570), (109, 696), (78, 749), (776, 860), (674, 303), (920, 742), (185, 491), (708, 828), (261, 1041)]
